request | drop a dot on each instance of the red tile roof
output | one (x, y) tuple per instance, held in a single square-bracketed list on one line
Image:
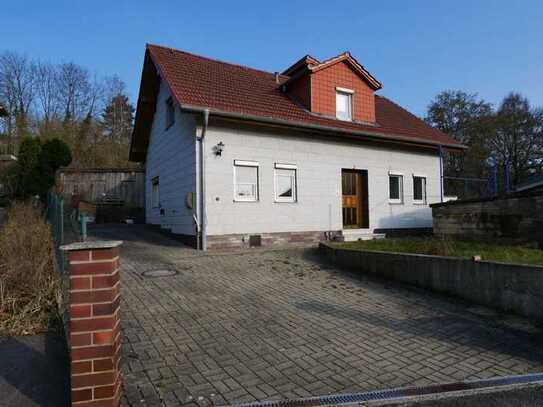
[(197, 81)]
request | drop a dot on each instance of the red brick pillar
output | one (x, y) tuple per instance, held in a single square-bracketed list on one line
[(94, 324)]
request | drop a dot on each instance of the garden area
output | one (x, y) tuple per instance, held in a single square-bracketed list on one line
[(29, 283), (30, 288), (439, 246)]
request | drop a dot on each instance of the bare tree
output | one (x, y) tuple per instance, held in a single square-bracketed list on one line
[(46, 80), (518, 139), (466, 118), (16, 91), (74, 86), (64, 100)]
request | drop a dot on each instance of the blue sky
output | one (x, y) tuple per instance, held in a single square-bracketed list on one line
[(416, 48)]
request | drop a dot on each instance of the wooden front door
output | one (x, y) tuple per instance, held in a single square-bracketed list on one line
[(354, 185)]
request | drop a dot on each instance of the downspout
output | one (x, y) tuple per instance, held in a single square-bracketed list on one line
[(202, 241), (441, 172)]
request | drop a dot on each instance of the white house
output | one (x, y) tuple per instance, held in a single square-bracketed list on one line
[(239, 157)]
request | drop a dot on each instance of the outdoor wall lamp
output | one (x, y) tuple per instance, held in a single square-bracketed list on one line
[(218, 148)]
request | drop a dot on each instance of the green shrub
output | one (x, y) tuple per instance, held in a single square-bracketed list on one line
[(34, 173)]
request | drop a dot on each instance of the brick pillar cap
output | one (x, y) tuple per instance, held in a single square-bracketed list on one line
[(91, 245)]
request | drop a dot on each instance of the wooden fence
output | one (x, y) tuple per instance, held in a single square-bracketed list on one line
[(127, 185)]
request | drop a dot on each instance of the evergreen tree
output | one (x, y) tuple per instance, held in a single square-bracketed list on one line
[(118, 118)]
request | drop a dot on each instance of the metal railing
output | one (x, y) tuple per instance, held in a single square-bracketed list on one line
[(64, 220), (468, 187), (55, 216)]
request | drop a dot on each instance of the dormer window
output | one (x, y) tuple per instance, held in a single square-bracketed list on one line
[(344, 104)]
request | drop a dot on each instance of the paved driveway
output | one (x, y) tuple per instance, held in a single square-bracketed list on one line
[(280, 324)]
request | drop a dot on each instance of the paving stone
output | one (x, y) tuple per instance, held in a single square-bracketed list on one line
[(268, 324)]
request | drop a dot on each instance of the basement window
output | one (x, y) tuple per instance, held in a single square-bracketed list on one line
[(170, 113), (285, 182), (395, 182), (245, 181), (419, 189), (344, 104)]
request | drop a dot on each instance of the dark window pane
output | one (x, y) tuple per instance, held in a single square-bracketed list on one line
[(394, 187), (417, 189)]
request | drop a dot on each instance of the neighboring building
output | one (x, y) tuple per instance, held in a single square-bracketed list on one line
[(240, 157)]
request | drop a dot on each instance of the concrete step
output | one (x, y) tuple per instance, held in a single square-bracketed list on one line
[(354, 235)]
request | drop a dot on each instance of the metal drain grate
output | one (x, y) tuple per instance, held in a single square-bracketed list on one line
[(159, 273), (399, 393)]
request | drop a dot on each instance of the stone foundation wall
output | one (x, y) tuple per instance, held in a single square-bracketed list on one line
[(514, 219), (241, 241)]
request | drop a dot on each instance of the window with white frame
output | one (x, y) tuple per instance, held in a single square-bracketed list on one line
[(245, 181), (285, 183), (155, 192), (170, 113), (395, 188), (344, 104), (419, 189)]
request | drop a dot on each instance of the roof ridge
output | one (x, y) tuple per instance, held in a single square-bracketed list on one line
[(338, 56), (348, 56), (213, 59)]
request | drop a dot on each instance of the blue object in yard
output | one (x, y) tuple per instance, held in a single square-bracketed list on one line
[(83, 219), (495, 184)]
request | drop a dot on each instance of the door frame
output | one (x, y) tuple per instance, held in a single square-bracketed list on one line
[(362, 217)]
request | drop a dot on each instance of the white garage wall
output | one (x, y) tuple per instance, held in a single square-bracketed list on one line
[(172, 157), (319, 182)]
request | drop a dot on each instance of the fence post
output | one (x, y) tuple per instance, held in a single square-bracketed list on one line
[(61, 220), (94, 340)]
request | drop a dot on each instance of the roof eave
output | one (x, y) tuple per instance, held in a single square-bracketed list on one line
[(346, 56), (310, 126)]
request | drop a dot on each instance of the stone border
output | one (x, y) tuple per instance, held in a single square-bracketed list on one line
[(509, 287)]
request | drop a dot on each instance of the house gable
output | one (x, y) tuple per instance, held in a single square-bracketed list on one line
[(313, 84)]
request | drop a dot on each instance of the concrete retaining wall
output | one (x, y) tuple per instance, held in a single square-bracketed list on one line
[(509, 287)]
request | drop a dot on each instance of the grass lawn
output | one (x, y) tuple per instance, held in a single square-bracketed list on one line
[(453, 248)]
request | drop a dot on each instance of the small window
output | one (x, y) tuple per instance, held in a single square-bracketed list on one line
[(245, 181), (344, 104), (155, 193), (395, 182), (170, 113), (419, 189), (285, 183)]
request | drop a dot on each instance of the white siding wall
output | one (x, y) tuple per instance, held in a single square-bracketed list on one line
[(319, 183), (172, 157)]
